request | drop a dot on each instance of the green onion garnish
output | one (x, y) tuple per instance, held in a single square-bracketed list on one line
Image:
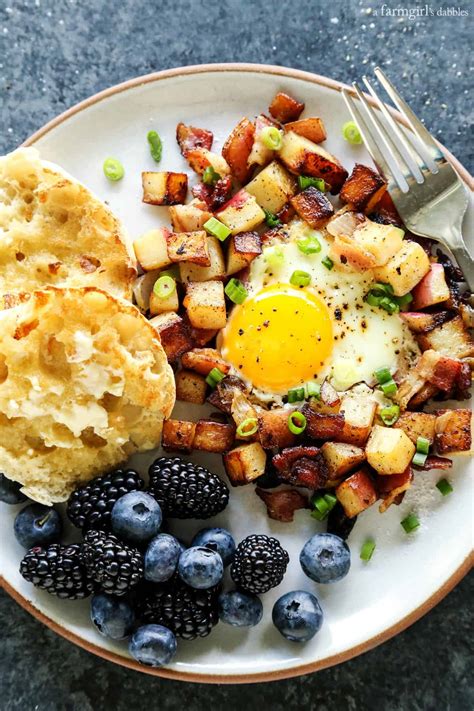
[(389, 388), (274, 256), (309, 244), (215, 376), (351, 133), (419, 459), (423, 445), (248, 427), (113, 169), (389, 415), (367, 550), (373, 300), (300, 278), (313, 389), (156, 146), (297, 423), (404, 300), (164, 286), (410, 523), (328, 263), (305, 181), (295, 395), (381, 289), (389, 305), (271, 219), (383, 375), (236, 291), (210, 177), (444, 487), (272, 138), (217, 229), (323, 504)]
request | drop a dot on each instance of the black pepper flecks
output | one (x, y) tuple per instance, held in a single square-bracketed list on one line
[(338, 314)]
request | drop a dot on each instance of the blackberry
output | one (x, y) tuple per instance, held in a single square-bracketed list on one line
[(114, 566), (89, 506), (187, 612), (259, 564), (186, 490), (57, 569)]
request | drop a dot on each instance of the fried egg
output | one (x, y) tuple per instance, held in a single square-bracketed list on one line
[(283, 336)]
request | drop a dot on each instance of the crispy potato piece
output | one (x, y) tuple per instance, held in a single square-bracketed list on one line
[(190, 137), (143, 287), (260, 153), (386, 211), (174, 334), (284, 108), (164, 188), (273, 428), (178, 435), (151, 249), (359, 413), (356, 493), (417, 424), (341, 457), (272, 187), (216, 269), (443, 372), (188, 247), (190, 387), (302, 466), (242, 213), (203, 360), (281, 505), (432, 289), (313, 207), (223, 394), (205, 304), (329, 395), (321, 425), (190, 217), (363, 188), (451, 338), (453, 431), (422, 322), (201, 336), (405, 269), (311, 128), (304, 157), (245, 463), (162, 304), (200, 159), (388, 450), (346, 252), (381, 241), (243, 248), (427, 391), (237, 149), (213, 436)]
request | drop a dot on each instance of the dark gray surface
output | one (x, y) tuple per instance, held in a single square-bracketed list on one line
[(55, 53)]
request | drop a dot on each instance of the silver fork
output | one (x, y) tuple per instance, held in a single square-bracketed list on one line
[(428, 193)]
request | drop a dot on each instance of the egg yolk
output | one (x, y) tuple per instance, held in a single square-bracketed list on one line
[(278, 338)]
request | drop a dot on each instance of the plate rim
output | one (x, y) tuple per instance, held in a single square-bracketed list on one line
[(279, 674)]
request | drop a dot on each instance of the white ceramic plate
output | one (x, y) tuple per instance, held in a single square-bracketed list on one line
[(407, 574)]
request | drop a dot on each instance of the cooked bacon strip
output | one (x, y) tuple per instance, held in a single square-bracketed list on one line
[(190, 137), (214, 196), (321, 425), (434, 462), (281, 505), (302, 466), (422, 322), (223, 394), (439, 370), (392, 488)]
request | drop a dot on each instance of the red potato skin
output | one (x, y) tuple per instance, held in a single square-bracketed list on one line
[(432, 289), (363, 188), (190, 138), (362, 487), (214, 196), (311, 128), (284, 108), (237, 149), (386, 212)]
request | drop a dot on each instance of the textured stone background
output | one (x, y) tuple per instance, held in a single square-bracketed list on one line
[(54, 53)]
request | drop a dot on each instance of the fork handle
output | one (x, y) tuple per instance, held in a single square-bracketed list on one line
[(463, 258)]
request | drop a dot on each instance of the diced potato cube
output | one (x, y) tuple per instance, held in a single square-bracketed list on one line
[(285, 108), (245, 463), (453, 431), (162, 304), (304, 157), (432, 289), (213, 436), (243, 248), (190, 387), (311, 128), (388, 450), (142, 288), (272, 187), (205, 304), (216, 269), (260, 153), (273, 430), (363, 188), (345, 252), (451, 339), (313, 206), (178, 435), (417, 424), (356, 493), (174, 334), (405, 269), (359, 413), (203, 360), (200, 158), (382, 241), (151, 250), (237, 149), (189, 247), (189, 218), (341, 457), (164, 188), (242, 213)]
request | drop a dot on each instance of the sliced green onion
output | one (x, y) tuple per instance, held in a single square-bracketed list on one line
[(419, 459), (295, 395), (309, 244), (271, 219), (383, 375), (389, 415), (156, 146), (248, 427), (297, 423), (373, 300), (389, 388), (215, 376), (217, 229), (300, 278), (331, 500), (410, 523), (381, 289), (113, 169), (367, 550), (351, 133), (313, 389), (236, 291), (164, 286), (389, 305), (274, 256), (423, 445), (322, 505), (403, 301), (328, 263), (210, 177), (306, 181), (444, 487), (272, 138)]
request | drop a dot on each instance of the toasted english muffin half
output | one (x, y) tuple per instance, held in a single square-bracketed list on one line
[(53, 231), (84, 383)]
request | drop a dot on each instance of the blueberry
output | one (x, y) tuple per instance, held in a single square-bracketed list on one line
[(136, 517), (200, 568), (297, 615), (161, 558), (37, 525), (153, 645), (10, 491), (240, 609), (112, 616), (217, 539), (325, 558)]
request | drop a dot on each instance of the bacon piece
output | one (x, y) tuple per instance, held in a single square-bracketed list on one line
[(434, 462), (329, 395), (214, 196), (190, 138), (321, 425), (281, 505), (392, 488), (238, 147), (223, 394), (422, 322), (302, 466), (385, 212), (439, 370), (284, 108), (453, 431)]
